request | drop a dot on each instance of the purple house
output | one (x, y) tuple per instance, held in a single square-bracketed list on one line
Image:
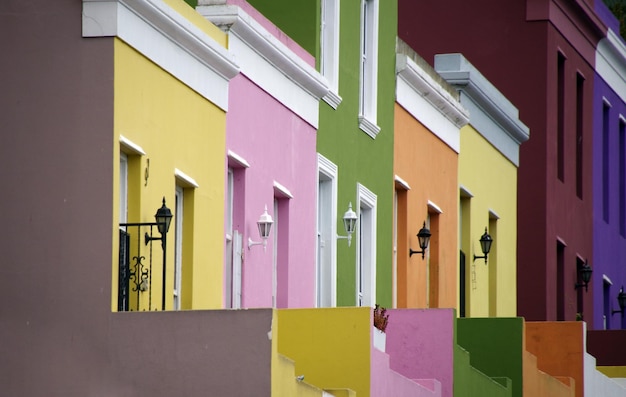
[(609, 176), (271, 159)]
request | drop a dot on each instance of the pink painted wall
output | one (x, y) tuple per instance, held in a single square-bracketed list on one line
[(257, 16), (281, 147), (420, 344), (386, 382)]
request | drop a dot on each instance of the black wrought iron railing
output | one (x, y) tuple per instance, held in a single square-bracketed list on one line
[(135, 289)]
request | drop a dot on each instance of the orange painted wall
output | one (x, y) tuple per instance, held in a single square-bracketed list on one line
[(429, 166), (559, 348)]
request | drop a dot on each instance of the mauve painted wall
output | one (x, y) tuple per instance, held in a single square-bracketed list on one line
[(547, 208), (279, 146), (420, 344), (386, 382), (609, 253), (59, 336)]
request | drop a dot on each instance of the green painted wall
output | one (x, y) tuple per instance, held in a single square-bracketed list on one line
[(495, 346), (360, 159), (301, 26)]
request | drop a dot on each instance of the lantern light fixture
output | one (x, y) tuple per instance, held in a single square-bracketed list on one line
[(349, 223), (265, 227), (423, 237), (621, 300), (584, 273), (485, 246)]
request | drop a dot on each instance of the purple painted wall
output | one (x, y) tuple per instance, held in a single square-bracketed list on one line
[(524, 39), (609, 224), (280, 147), (420, 344)]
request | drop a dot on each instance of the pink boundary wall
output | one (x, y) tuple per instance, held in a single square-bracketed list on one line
[(386, 382), (280, 147), (277, 33), (420, 344)]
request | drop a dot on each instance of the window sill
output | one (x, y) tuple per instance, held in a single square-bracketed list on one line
[(368, 127)]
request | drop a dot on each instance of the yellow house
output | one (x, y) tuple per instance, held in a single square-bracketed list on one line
[(170, 77), (488, 163)]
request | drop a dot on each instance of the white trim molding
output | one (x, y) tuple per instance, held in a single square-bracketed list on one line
[(282, 190), (427, 101), (329, 49), (611, 63), (367, 199), (168, 39), (434, 208), (399, 181), (184, 179), (237, 160), (491, 113), (131, 146), (268, 62)]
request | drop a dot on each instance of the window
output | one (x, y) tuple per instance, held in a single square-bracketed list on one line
[(465, 246), (366, 248), (178, 246), (580, 108), (560, 155), (326, 239), (280, 234), (606, 107), (493, 265), (235, 190), (560, 282), (432, 256), (123, 188), (622, 176), (329, 49), (606, 303), (368, 67)]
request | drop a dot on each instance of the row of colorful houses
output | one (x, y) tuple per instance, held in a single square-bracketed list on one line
[(253, 129)]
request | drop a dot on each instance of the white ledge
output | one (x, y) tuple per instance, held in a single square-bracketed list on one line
[(402, 182), (237, 159), (368, 127), (131, 146), (186, 179), (282, 190), (480, 96), (168, 39), (428, 88), (234, 20), (611, 62)]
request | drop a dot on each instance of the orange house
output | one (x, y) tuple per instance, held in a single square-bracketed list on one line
[(428, 117)]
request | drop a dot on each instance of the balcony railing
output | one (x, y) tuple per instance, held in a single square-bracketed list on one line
[(135, 289)]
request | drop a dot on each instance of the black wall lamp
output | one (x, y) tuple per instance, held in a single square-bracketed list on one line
[(423, 237), (584, 273), (485, 246), (621, 300)]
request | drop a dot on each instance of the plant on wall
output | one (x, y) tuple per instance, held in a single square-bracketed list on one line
[(381, 319)]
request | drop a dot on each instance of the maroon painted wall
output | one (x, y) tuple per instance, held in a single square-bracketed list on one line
[(58, 335), (607, 347), (519, 58)]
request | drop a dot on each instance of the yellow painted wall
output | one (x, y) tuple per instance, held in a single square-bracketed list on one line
[(613, 371), (178, 129), (330, 347), (492, 180), (430, 167)]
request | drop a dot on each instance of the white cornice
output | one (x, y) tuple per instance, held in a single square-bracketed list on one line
[(611, 63), (168, 39), (417, 92), (254, 38), (487, 106)]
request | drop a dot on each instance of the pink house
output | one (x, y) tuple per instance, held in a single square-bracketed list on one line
[(271, 162)]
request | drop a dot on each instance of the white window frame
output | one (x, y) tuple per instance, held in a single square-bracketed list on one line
[(275, 226), (178, 246), (328, 170), (228, 249), (366, 247), (329, 49), (123, 211), (368, 81)]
